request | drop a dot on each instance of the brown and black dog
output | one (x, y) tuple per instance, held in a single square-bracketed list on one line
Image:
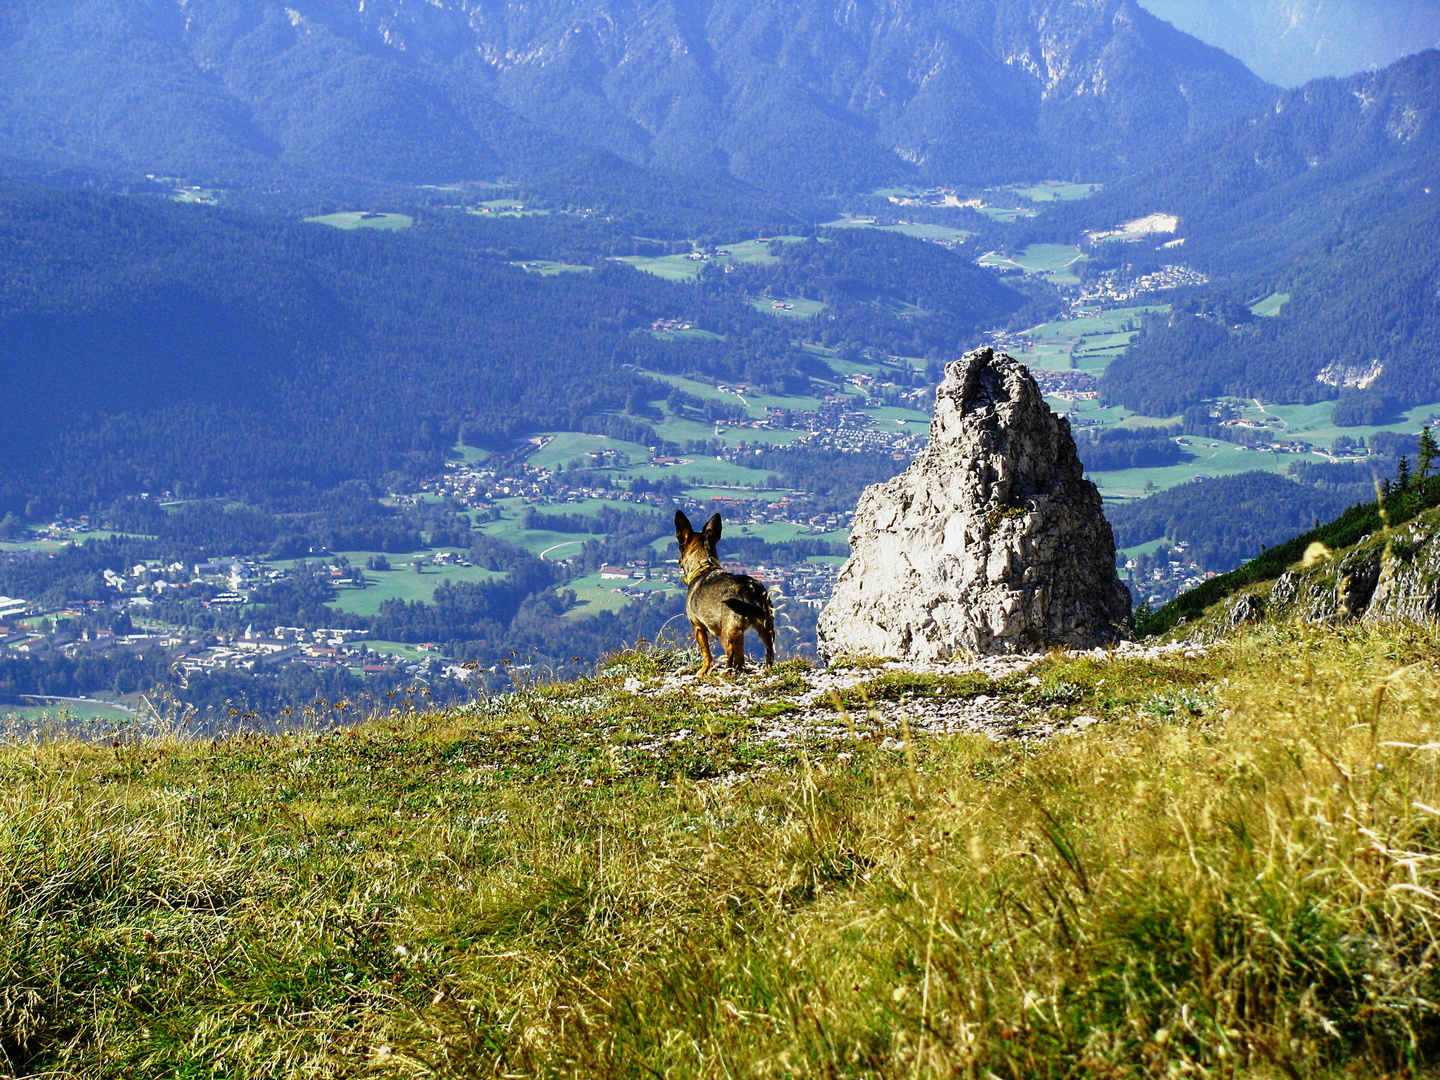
[(718, 602)]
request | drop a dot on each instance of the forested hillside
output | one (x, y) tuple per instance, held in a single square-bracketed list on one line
[(1330, 200), (810, 94), (168, 347)]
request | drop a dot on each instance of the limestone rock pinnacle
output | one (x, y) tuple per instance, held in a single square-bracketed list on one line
[(992, 541)]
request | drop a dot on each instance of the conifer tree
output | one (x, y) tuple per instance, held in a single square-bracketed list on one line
[(1425, 455)]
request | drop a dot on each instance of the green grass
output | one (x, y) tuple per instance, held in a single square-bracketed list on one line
[(510, 528), (708, 471), (565, 446), (400, 649), (1150, 547), (401, 582), (1311, 423), (1053, 260), (1006, 214), (1270, 306), (546, 268), (918, 230), (1053, 191), (359, 220), (692, 334), (1233, 873), (62, 711), (684, 268), (470, 455), (799, 308), (1224, 460), (594, 596)]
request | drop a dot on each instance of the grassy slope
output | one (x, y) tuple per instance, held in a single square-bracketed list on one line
[(1234, 869)]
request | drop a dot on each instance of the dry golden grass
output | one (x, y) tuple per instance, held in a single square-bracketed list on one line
[(1238, 873)]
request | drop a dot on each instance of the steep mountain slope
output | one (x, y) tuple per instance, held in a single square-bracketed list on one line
[(1331, 198), (800, 92), (1293, 41)]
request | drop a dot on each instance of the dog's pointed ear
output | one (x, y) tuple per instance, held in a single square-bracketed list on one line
[(683, 529), (711, 532)]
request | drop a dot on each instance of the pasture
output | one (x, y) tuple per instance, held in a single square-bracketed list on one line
[(685, 268), (61, 711), (1211, 458), (792, 306), (594, 595), (1087, 343), (1055, 261), (1270, 306), (565, 446), (919, 230), (1052, 191), (401, 582), (1312, 423), (546, 268), (358, 219)]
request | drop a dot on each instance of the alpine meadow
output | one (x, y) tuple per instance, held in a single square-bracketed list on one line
[(685, 538)]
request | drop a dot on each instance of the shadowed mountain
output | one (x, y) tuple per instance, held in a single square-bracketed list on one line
[(1331, 199), (807, 93)]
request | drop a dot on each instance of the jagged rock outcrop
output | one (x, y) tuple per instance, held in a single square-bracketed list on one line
[(991, 542), (1392, 577)]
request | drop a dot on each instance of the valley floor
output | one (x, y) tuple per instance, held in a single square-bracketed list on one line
[(1142, 862)]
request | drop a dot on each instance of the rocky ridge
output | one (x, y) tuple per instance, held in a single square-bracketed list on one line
[(992, 542), (1390, 576)]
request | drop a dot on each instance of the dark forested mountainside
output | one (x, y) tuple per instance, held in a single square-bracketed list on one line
[(166, 347), (880, 289), (799, 93), (1362, 324), (1261, 509), (1260, 191), (1331, 198)]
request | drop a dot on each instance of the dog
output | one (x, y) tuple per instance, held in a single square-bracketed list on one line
[(718, 602)]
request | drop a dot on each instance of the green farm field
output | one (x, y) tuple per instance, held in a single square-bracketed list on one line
[(1270, 306), (1053, 260), (401, 582), (363, 220), (918, 230), (798, 308), (1211, 458), (565, 446), (546, 268), (684, 268), (1053, 191), (59, 711), (594, 595), (1312, 423)]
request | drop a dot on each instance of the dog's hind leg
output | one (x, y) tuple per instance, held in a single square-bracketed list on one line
[(767, 635), (734, 642), (703, 640)]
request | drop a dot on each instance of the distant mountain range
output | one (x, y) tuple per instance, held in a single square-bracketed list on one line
[(793, 94), (1293, 41)]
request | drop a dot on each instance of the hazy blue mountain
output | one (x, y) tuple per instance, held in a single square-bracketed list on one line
[(1293, 41), (812, 93)]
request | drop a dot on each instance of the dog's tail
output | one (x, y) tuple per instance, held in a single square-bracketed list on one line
[(750, 611)]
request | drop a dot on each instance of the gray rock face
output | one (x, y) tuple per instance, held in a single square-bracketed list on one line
[(991, 542)]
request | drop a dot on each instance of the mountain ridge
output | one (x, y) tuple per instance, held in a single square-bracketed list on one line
[(807, 93)]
